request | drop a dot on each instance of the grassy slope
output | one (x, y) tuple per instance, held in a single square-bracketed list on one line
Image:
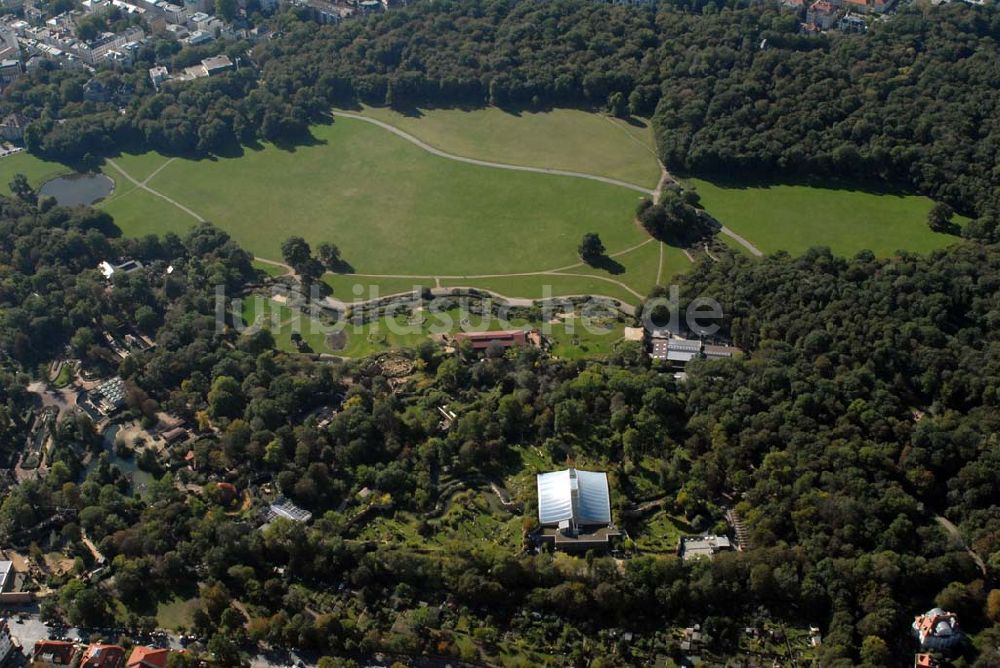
[(561, 138), (348, 287), (395, 209), (37, 170), (797, 217), (138, 212)]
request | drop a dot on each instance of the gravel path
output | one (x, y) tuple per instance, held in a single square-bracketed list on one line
[(487, 163)]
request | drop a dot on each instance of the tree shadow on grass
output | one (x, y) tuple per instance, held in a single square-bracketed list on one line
[(342, 266), (608, 264), (729, 180), (300, 140)]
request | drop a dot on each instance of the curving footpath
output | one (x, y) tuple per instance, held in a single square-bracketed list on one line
[(487, 163), (558, 271), (652, 192)]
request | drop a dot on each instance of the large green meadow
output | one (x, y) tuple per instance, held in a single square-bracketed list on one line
[(794, 218), (568, 139), (403, 216), (390, 206)]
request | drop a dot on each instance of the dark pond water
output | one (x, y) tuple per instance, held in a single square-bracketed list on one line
[(78, 189)]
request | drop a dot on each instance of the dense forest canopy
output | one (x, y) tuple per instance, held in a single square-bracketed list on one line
[(736, 91)]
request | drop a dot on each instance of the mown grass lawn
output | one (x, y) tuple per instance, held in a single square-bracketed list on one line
[(177, 613), (138, 213), (37, 170), (268, 268), (569, 139), (349, 288), (393, 208), (795, 218)]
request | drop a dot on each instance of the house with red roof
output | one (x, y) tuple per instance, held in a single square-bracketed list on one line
[(481, 341), (53, 654), (822, 13), (99, 655), (148, 657)]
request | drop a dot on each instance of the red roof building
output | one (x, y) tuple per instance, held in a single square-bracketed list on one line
[(52, 653), (103, 656), (503, 338), (148, 657)]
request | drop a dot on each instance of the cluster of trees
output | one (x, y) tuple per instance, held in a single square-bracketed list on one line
[(298, 255), (675, 218)]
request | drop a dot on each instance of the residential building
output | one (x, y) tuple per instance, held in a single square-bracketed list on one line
[(177, 31), (53, 654), (325, 12), (7, 576), (174, 435), (217, 65), (10, 69), (198, 37), (157, 75), (98, 655), (574, 509), (12, 126), (852, 23), (96, 6), (94, 52), (9, 48), (9, 648), (148, 657), (937, 629), (696, 547), (822, 14)]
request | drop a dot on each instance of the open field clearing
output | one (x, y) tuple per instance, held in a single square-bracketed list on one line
[(392, 208), (795, 218), (560, 138)]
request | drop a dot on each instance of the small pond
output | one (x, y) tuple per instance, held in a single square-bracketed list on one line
[(138, 478), (77, 189)]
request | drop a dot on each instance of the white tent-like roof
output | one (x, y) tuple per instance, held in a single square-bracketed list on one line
[(579, 497)]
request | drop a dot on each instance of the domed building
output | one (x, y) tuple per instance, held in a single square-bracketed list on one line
[(937, 629)]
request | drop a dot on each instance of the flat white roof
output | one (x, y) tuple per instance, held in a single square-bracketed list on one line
[(581, 496)]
